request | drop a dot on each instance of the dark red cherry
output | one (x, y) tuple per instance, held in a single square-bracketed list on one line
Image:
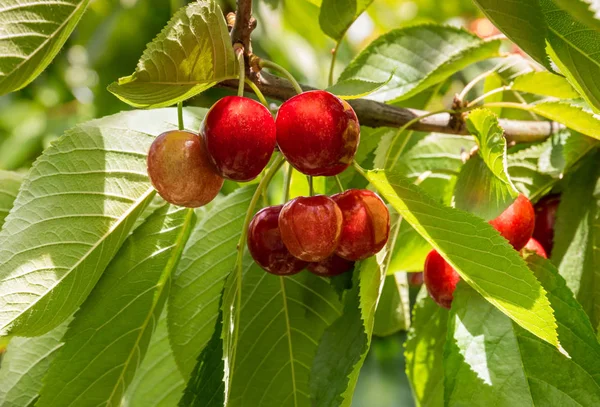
[(318, 133), (310, 227), (545, 218), (516, 223), (415, 278), (366, 224), (440, 279), (332, 266), (267, 248), (240, 137), (536, 247), (181, 171)]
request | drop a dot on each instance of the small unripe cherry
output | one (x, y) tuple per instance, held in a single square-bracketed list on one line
[(545, 218), (534, 246), (240, 137), (332, 266), (310, 227), (318, 133), (440, 279), (365, 226), (267, 248), (180, 169), (516, 223)]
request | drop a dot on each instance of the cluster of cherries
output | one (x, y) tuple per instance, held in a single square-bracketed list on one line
[(318, 134), (523, 226)]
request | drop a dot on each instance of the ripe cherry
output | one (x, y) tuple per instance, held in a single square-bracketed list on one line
[(267, 248), (181, 171), (516, 223), (318, 133), (366, 224), (310, 227), (240, 137), (440, 279), (536, 247), (415, 279), (332, 266), (545, 218)]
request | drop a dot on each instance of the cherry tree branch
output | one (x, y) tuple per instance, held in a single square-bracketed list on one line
[(244, 25)]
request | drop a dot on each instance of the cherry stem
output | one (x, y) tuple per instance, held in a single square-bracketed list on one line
[(339, 183), (478, 79), (488, 94), (311, 188), (359, 169), (239, 53), (262, 185), (287, 183), (257, 91), (333, 58), (180, 115), (272, 65)]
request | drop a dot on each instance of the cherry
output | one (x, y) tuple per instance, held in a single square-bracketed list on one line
[(415, 278), (240, 137), (516, 223), (536, 247), (332, 266), (310, 227), (440, 279), (545, 218), (267, 248), (181, 171), (318, 133), (366, 224)]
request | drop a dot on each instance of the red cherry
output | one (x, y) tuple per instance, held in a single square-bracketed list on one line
[(516, 223), (318, 133), (267, 248), (332, 266), (440, 279), (536, 247), (366, 224), (240, 137), (310, 227), (545, 218), (415, 278), (180, 169)]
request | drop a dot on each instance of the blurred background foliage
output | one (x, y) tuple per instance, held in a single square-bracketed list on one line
[(111, 37)]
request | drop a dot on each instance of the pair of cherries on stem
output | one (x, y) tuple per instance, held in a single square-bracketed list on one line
[(325, 235), (317, 133), (516, 224)]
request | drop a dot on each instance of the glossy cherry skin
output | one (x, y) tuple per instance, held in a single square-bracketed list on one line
[(181, 171), (267, 248), (310, 227), (366, 224), (318, 133), (440, 279), (516, 223), (240, 137), (545, 218), (536, 247), (332, 266)]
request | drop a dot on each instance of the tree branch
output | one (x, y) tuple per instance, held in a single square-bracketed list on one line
[(375, 114), (244, 25)]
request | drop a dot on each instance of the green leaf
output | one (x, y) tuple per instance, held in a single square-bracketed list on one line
[(476, 250), (207, 260), (32, 33), (545, 84), (424, 351), (111, 331), (25, 364), (190, 55), (523, 22), (585, 11), (345, 343), (572, 47), (77, 205), (492, 82), (356, 88), (282, 321), (418, 57), (525, 174), (157, 382), (336, 16), (573, 250), (393, 309), (9, 187), (572, 116)]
